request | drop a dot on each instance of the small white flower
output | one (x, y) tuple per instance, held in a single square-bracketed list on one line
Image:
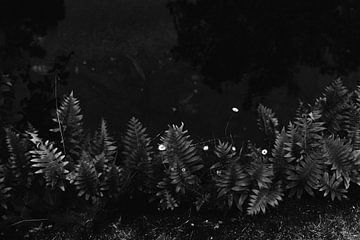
[(206, 148), (162, 147), (233, 148), (183, 169), (264, 152), (218, 172), (192, 224), (235, 109)]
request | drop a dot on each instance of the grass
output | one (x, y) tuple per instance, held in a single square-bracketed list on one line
[(303, 219)]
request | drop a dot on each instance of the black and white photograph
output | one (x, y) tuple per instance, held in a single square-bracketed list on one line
[(179, 120)]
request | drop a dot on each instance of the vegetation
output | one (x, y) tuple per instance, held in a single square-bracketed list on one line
[(313, 155)]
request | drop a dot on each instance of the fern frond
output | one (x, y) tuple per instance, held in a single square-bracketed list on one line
[(180, 157), (334, 107), (104, 143), (114, 181), (5, 189), (356, 139), (261, 174), (49, 162), (305, 175), (261, 198), (167, 200), (223, 150), (224, 153), (278, 159), (232, 182), (103, 147), (259, 168), (70, 119), (138, 153), (309, 128), (338, 155), (87, 179), (137, 147), (333, 186), (18, 162), (268, 123), (293, 150)]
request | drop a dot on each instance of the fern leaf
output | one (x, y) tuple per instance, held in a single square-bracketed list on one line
[(138, 153), (333, 187), (339, 156), (224, 150), (293, 150), (278, 159), (334, 107), (103, 147), (5, 189), (49, 162), (167, 200), (180, 157), (70, 119), (18, 162), (306, 175), (268, 123), (87, 179), (261, 198), (114, 181)]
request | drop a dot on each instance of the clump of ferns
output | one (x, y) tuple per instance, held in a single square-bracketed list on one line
[(181, 169)]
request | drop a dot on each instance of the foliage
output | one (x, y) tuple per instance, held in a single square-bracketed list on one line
[(181, 163), (312, 155), (69, 125), (138, 156), (267, 123)]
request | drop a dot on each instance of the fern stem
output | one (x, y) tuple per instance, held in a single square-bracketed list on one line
[(57, 114)]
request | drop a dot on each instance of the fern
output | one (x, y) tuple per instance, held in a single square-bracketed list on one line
[(310, 130), (103, 147), (87, 179), (180, 158), (49, 162), (278, 159), (138, 154), (339, 156), (292, 148), (225, 153), (18, 162), (259, 168), (333, 187), (335, 108), (167, 200), (5, 189), (267, 123), (71, 127), (230, 178), (305, 176), (262, 197), (114, 181)]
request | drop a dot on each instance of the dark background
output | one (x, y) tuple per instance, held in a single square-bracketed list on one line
[(149, 59)]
